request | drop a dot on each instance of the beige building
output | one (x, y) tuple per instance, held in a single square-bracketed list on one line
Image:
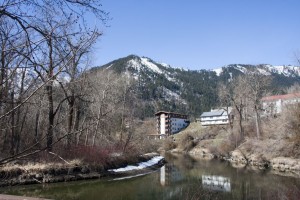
[(169, 123), (273, 105)]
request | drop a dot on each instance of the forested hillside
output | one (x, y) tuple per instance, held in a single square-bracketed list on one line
[(159, 86)]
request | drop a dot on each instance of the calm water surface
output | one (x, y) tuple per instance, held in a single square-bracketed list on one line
[(183, 177)]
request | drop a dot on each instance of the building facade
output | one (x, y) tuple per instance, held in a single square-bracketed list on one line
[(216, 117), (169, 123), (274, 105)]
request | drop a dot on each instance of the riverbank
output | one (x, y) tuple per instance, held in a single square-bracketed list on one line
[(279, 154), (75, 170), (12, 197), (284, 166)]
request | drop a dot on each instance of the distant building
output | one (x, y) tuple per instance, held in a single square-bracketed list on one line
[(273, 105), (215, 117), (169, 123)]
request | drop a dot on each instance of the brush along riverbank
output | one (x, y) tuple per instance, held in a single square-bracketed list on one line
[(41, 173)]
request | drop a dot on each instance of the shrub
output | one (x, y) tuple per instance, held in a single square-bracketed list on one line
[(222, 148), (292, 119), (187, 142), (169, 144)]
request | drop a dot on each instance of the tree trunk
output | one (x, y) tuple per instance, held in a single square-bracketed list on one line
[(12, 123), (86, 137), (71, 105), (241, 125), (257, 123), (49, 91)]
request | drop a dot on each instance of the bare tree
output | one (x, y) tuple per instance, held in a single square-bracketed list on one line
[(257, 86), (107, 97), (77, 50), (234, 93), (244, 93), (37, 46)]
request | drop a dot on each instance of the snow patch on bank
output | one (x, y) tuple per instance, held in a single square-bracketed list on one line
[(142, 165), (129, 177)]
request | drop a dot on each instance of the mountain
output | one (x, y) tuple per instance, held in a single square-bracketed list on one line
[(265, 69), (162, 87), (282, 76)]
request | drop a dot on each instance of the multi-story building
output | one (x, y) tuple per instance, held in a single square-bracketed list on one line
[(273, 105), (169, 123)]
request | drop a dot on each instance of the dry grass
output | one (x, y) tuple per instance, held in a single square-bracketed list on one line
[(169, 144), (140, 139), (280, 137), (30, 167), (187, 142), (194, 129), (215, 138)]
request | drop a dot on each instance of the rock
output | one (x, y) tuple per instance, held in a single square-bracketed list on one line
[(237, 156), (74, 170), (161, 150), (70, 178), (39, 176), (285, 164), (60, 171), (85, 170), (176, 151), (238, 165), (258, 161), (201, 152)]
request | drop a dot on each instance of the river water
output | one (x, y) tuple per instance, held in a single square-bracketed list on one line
[(183, 177)]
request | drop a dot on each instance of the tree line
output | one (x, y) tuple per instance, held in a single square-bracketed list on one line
[(46, 98)]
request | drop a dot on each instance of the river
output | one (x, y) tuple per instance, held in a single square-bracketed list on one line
[(183, 177)]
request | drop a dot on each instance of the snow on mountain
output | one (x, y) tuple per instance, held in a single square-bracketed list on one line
[(145, 69), (241, 68), (132, 63), (218, 71), (170, 95), (165, 65), (150, 65), (143, 62), (286, 70)]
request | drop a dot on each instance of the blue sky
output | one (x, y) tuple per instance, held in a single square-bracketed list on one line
[(202, 34)]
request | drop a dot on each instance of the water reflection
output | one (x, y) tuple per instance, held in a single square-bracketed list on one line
[(169, 174), (183, 177), (218, 183)]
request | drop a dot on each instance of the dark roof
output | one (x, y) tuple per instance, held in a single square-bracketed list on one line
[(213, 113), (165, 112)]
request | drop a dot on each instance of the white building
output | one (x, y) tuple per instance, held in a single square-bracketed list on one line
[(169, 123), (273, 105), (215, 117)]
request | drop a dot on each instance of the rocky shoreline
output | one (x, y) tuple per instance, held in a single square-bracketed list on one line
[(75, 172), (279, 165)]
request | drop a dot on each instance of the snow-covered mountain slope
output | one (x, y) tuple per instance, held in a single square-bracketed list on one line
[(285, 70), (163, 87), (150, 74)]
